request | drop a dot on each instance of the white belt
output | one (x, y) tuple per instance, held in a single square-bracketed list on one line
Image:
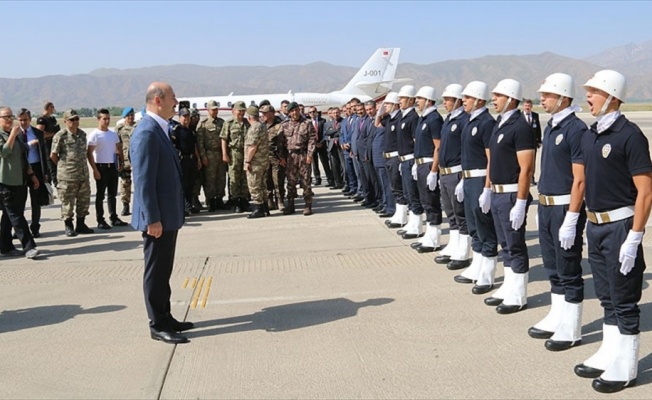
[(511, 188), (474, 173), (554, 200), (451, 170), (424, 160), (406, 157), (610, 216), (390, 154)]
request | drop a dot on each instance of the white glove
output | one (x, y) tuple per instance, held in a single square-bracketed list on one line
[(517, 214), (432, 180), (485, 200), (628, 251), (568, 230), (459, 191), (414, 171)]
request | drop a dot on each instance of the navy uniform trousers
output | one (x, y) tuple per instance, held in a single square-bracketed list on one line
[(410, 189), (454, 209), (512, 242), (429, 199), (393, 165), (480, 225)]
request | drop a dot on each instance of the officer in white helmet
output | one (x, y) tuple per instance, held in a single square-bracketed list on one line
[(405, 140), (424, 171), (476, 135), (561, 213), (618, 174), (511, 157), (390, 118)]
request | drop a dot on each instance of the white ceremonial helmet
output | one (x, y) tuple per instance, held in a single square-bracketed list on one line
[(611, 82), (510, 88), (558, 83), (453, 90), (427, 92), (392, 97), (477, 90), (407, 91)]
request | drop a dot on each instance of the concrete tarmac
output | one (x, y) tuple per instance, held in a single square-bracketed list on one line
[(334, 305)]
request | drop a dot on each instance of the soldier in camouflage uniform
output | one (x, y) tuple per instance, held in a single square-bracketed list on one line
[(124, 133), (257, 163), (69, 154), (210, 151), (277, 159), (200, 179), (300, 135), (233, 138)]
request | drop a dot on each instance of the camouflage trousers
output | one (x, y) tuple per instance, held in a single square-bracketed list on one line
[(275, 180), (215, 176), (297, 168), (256, 182), (237, 177), (125, 186), (74, 196)]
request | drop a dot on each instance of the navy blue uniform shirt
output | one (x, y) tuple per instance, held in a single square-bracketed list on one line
[(391, 132), (428, 129), (611, 158), (513, 136), (475, 140), (450, 153), (562, 147), (405, 136)]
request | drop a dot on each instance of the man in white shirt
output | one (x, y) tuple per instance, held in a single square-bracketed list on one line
[(105, 157)]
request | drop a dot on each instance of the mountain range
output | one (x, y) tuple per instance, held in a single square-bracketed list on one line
[(126, 87)]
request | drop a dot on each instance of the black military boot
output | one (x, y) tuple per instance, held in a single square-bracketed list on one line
[(125, 209), (266, 210), (82, 227), (258, 211), (196, 204), (212, 205), (246, 206), (289, 208), (219, 203), (239, 205), (70, 230)]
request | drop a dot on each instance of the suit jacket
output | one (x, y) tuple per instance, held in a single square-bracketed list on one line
[(320, 130), (42, 152), (362, 137), (156, 173), (331, 133), (536, 127)]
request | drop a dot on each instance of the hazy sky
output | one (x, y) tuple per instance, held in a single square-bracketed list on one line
[(58, 37)]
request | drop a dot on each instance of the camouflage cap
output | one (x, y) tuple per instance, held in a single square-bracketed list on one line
[(212, 105), (194, 113), (239, 106), (267, 108), (70, 114), (252, 110), (292, 106)]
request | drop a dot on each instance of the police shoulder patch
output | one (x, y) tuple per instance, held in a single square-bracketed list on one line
[(606, 149)]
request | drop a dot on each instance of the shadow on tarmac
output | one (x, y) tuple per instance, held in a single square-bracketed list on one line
[(16, 320), (288, 316)]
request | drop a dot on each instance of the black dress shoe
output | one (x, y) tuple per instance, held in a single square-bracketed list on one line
[(537, 333), (393, 225), (462, 279), (493, 301), (103, 225), (335, 187), (425, 249), (357, 199), (505, 309), (13, 253), (181, 326), (118, 222), (458, 264), (363, 203), (481, 289), (584, 371), (409, 235), (602, 386), (372, 205), (561, 345), (442, 259), (379, 207), (415, 245), (168, 336), (330, 184), (36, 234), (400, 232), (385, 215)]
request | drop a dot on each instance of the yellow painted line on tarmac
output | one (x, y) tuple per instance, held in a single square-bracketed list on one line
[(185, 283), (208, 290), (194, 282), (197, 293)]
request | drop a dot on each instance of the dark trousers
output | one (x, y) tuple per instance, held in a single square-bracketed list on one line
[(35, 196), (108, 183), (13, 216), (393, 166), (51, 164), (512, 243), (429, 199), (410, 189), (159, 260), (480, 225), (387, 196), (335, 155), (618, 294), (453, 208), (363, 182), (563, 267), (321, 154), (188, 177), (373, 192), (352, 180)]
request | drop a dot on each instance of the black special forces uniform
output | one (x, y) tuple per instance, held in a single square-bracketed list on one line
[(512, 136), (186, 143), (476, 136)]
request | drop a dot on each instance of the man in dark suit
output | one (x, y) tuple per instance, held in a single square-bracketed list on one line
[(332, 137), (532, 118), (38, 160), (158, 207), (321, 152)]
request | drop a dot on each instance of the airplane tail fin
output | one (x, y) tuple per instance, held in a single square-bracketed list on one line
[(376, 76)]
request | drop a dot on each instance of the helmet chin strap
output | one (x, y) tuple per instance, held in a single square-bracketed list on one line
[(475, 106), (554, 110), (501, 112), (604, 106)]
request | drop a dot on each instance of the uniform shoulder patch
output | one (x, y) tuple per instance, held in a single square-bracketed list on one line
[(606, 149)]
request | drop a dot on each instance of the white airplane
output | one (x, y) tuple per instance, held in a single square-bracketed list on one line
[(373, 81)]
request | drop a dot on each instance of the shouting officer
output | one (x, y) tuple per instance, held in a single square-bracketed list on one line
[(618, 197), (562, 215)]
